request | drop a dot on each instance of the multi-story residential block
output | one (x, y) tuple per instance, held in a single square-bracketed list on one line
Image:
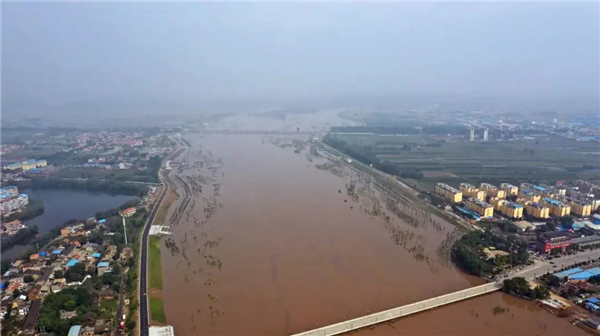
[(558, 190), (537, 210), (492, 191), (512, 210), (449, 193), (470, 190), (14, 203), (588, 187), (8, 192), (33, 163), (579, 208), (529, 195), (595, 203), (497, 203), (509, 189), (538, 189), (27, 165), (557, 208), (482, 208)]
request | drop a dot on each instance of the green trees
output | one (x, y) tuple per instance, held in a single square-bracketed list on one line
[(69, 299), (75, 273), (5, 265), (566, 221), (21, 236), (520, 287), (112, 187), (468, 252), (552, 280)]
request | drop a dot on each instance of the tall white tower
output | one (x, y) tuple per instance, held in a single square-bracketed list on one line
[(485, 134), (472, 136), (125, 230)]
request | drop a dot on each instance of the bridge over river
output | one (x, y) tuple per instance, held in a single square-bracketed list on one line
[(394, 313)]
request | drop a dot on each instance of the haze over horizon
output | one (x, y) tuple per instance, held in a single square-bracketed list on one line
[(127, 56)]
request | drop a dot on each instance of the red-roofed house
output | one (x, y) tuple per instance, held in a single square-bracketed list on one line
[(129, 212)]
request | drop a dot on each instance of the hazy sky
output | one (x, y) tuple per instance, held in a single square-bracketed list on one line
[(111, 53)]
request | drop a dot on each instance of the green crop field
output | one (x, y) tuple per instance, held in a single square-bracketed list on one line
[(155, 264), (544, 159), (157, 310)]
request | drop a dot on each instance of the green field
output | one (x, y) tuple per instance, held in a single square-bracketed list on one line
[(157, 310), (38, 152), (108, 308), (154, 260), (544, 159)]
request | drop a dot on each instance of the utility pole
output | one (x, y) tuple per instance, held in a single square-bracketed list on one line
[(124, 230)]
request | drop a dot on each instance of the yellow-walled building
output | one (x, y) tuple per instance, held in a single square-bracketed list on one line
[(579, 208), (537, 210), (529, 195), (482, 208), (26, 165), (557, 208), (470, 190), (512, 210), (449, 193), (492, 191), (509, 189), (497, 203)]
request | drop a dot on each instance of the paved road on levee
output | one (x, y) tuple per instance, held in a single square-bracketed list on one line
[(144, 322)]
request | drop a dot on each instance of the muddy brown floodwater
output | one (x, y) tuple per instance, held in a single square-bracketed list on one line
[(280, 241)]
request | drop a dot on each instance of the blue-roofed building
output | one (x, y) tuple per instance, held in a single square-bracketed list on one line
[(552, 201), (56, 251), (43, 254), (102, 221), (592, 306), (581, 276), (512, 210), (593, 300), (594, 271), (96, 255), (557, 208), (102, 267), (72, 262), (469, 213), (568, 272), (529, 195), (75, 331)]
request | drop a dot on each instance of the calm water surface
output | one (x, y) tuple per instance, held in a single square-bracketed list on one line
[(62, 205)]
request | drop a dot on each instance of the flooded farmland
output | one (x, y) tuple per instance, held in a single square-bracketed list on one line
[(273, 238)]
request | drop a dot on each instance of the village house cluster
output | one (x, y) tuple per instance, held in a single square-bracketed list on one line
[(115, 150), (28, 281), (11, 200)]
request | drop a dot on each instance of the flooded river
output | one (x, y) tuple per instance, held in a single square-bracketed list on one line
[(277, 239)]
